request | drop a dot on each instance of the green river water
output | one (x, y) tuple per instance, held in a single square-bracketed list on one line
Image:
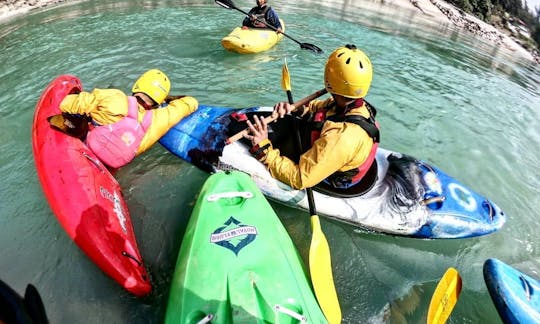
[(465, 106)]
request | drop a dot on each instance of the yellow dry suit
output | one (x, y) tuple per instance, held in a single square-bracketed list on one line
[(108, 106), (340, 148)]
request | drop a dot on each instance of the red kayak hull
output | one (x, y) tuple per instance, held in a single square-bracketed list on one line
[(84, 196)]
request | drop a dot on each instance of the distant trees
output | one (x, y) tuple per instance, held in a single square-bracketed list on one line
[(504, 9), (465, 5), (536, 32)]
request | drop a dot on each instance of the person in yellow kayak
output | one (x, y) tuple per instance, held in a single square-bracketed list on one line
[(260, 14), (123, 126), (342, 132)]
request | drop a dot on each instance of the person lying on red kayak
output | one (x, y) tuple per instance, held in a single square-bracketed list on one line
[(122, 126), (260, 14), (342, 133)]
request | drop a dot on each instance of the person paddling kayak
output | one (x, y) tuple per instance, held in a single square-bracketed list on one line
[(260, 14), (342, 134)]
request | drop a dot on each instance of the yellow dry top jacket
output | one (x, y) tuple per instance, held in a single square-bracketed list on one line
[(107, 106), (342, 146)]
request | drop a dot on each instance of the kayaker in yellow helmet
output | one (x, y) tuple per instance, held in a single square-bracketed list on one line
[(262, 12), (125, 126), (343, 134)]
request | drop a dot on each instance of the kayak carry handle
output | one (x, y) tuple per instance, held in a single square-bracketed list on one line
[(291, 313), (231, 194), (124, 253), (487, 205), (207, 319), (94, 161), (527, 287), (438, 199)]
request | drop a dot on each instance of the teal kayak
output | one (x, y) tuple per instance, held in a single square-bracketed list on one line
[(514, 293), (237, 263)]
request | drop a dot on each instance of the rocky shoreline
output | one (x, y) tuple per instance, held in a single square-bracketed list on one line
[(435, 9), (479, 28)]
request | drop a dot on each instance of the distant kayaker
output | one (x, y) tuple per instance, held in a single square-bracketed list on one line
[(260, 14), (341, 134), (123, 126)]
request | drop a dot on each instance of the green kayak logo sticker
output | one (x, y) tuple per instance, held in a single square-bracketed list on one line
[(233, 235)]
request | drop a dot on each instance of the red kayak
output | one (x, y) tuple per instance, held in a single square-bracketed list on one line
[(84, 196)]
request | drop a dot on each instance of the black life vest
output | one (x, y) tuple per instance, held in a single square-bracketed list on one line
[(261, 14), (347, 179)]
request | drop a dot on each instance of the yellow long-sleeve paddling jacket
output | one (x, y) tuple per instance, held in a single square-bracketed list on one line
[(107, 106), (342, 146)]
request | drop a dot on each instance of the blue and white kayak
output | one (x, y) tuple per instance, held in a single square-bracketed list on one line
[(400, 195), (515, 294)]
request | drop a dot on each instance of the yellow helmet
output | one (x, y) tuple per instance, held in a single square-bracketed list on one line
[(348, 72), (154, 84)]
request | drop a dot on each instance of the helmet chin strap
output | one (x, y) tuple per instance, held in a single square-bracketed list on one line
[(354, 103), (143, 102)]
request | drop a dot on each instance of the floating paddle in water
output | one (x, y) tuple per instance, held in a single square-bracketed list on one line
[(228, 4), (445, 297), (320, 263)]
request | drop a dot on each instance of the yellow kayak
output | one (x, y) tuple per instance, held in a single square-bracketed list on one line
[(251, 40)]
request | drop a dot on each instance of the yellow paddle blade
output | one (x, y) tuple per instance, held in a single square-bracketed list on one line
[(320, 267), (445, 297), (285, 77)]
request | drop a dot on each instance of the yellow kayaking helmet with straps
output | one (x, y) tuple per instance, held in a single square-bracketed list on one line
[(154, 84), (348, 72)]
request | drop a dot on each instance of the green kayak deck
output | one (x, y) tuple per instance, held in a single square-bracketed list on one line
[(237, 263)]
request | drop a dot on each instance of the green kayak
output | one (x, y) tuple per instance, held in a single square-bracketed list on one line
[(237, 263)]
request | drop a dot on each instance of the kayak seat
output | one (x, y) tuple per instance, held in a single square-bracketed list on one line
[(279, 133)]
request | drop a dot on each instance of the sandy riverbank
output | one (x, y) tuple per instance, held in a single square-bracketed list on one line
[(437, 10)]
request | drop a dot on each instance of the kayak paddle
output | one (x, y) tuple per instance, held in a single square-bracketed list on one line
[(320, 263), (445, 297), (228, 4), (270, 119)]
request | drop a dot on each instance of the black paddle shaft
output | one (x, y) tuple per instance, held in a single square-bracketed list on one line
[(309, 191), (228, 4)]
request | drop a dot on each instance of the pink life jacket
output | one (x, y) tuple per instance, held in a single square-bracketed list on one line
[(116, 144), (351, 177)]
